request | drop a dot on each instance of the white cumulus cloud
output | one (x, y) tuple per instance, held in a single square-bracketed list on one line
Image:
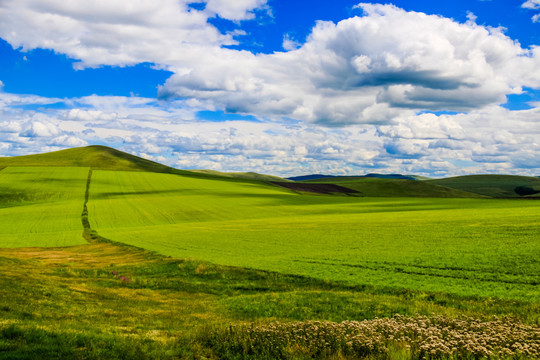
[(120, 32), (234, 10), (531, 4), (376, 82), (368, 69)]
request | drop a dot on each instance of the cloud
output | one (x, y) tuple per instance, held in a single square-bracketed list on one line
[(289, 43), (39, 129), (479, 141), (363, 70), (120, 32), (235, 10), (367, 69), (531, 4), (376, 82), (68, 141)]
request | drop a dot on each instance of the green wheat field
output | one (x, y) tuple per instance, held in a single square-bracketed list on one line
[(104, 255)]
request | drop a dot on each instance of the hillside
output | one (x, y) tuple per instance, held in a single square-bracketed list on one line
[(95, 157), (241, 175), (378, 187), (498, 186), (98, 157), (315, 177)]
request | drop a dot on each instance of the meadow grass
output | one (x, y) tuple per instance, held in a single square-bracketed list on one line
[(285, 261), (41, 206), (117, 302), (470, 247)]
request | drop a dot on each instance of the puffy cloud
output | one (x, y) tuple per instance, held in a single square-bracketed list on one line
[(39, 129), (289, 43), (423, 126), (491, 139), (531, 4), (89, 115), (68, 141), (375, 73), (121, 32), (368, 69), (234, 10)]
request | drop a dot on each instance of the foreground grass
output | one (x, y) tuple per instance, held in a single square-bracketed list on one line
[(116, 302)]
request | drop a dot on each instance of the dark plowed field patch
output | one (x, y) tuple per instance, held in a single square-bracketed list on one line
[(316, 188)]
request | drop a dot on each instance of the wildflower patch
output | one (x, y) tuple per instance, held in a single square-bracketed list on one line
[(419, 337)]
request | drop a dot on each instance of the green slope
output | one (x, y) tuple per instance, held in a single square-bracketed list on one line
[(95, 157), (99, 157), (499, 186), (377, 187), (241, 175), (41, 206)]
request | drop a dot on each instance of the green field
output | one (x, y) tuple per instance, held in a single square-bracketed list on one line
[(461, 246), (173, 264), (41, 206)]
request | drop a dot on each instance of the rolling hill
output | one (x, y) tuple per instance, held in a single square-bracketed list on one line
[(388, 187), (241, 175), (497, 186), (98, 157), (95, 157)]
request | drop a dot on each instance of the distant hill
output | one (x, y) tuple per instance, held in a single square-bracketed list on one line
[(380, 176), (498, 186), (242, 175), (309, 177), (95, 157), (380, 187)]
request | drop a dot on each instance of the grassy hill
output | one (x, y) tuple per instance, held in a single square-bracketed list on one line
[(241, 175), (378, 187), (98, 157), (498, 186), (94, 156)]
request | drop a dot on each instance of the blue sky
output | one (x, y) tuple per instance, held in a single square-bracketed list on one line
[(283, 87)]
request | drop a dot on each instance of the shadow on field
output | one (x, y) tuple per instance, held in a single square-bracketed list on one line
[(317, 188)]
